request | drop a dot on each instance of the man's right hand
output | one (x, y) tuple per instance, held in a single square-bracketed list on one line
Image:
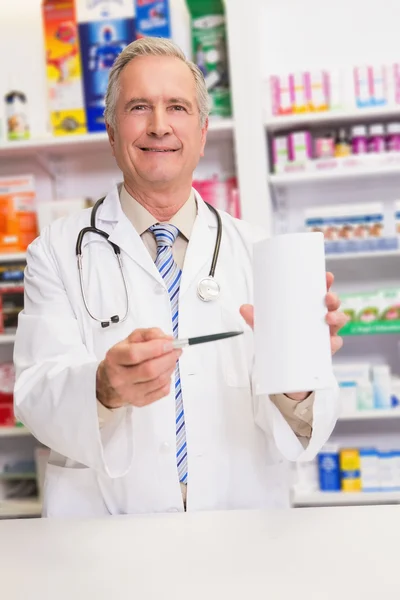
[(138, 370)]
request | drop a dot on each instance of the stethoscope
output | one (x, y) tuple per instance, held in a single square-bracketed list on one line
[(208, 288)]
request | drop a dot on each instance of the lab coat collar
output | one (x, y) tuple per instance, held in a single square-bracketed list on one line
[(110, 216), (200, 248)]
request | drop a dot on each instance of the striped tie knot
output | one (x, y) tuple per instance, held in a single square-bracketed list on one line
[(165, 234)]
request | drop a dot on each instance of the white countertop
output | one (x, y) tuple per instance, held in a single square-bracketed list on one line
[(341, 553)]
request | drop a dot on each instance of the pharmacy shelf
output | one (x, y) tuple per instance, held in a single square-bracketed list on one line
[(12, 257), (372, 415), (334, 174), (6, 432), (20, 508), (7, 338), (14, 476), (71, 144), (339, 117), (344, 498), (371, 254)]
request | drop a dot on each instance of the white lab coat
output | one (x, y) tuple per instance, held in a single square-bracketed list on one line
[(238, 442)]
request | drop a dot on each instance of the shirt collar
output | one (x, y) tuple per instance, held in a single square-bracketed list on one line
[(142, 219)]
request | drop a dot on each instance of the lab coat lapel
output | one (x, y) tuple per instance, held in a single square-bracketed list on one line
[(201, 246), (112, 218)]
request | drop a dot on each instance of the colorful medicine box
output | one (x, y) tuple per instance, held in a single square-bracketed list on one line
[(105, 29), (63, 68)]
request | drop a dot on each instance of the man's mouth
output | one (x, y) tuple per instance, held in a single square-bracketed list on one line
[(159, 150)]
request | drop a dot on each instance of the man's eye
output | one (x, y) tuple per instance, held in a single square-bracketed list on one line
[(138, 107), (178, 107)]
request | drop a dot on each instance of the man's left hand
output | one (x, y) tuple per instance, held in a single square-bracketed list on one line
[(335, 319)]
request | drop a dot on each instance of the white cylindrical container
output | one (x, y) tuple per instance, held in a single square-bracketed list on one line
[(292, 342)]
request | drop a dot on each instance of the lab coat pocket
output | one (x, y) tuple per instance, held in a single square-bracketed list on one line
[(72, 492)]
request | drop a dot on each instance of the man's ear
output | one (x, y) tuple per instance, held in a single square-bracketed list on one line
[(111, 136), (204, 137)]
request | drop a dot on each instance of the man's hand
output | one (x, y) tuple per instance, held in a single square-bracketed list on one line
[(335, 319), (138, 370)]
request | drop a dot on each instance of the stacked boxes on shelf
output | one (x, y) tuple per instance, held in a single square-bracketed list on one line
[(366, 387), (352, 228), (349, 470), (346, 148), (330, 90)]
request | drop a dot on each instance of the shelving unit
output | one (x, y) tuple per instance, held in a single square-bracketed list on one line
[(335, 174), (10, 509), (330, 118), (12, 432), (344, 498), (74, 144), (372, 415)]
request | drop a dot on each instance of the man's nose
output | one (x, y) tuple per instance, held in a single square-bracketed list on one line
[(159, 123)]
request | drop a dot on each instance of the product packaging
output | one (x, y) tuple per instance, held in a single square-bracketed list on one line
[(387, 470), (372, 312), (380, 93), (11, 304), (382, 386), (324, 146), (369, 463), (350, 470), (350, 227), (210, 53), (359, 139), (18, 221), (222, 193), (282, 94), (329, 469), (63, 68), (153, 18), (300, 147), (298, 85), (377, 139), (317, 90), (393, 137), (280, 153), (17, 116), (363, 84), (104, 31)]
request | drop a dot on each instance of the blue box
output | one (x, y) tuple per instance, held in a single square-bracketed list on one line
[(100, 43)]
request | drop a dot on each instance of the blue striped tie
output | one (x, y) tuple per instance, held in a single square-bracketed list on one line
[(166, 235)]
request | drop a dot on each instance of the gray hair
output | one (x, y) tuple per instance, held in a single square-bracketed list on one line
[(149, 46)]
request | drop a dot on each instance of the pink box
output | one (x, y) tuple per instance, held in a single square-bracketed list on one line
[(300, 146), (282, 95), (317, 90), (222, 194)]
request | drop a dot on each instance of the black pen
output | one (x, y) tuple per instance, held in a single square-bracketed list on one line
[(204, 339)]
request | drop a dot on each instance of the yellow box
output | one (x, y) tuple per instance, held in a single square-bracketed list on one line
[(350, 470)]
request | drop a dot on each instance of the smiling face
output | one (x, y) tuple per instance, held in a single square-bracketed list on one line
[(158, 139)]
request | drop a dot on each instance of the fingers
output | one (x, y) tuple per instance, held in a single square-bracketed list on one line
[(336, 343), (146, 335), (129, 354), (332, 301), (336, 320), (247, 312), (329, 280), (151, 370)]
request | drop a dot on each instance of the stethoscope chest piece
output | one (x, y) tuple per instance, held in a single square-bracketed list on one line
[(208, 289)]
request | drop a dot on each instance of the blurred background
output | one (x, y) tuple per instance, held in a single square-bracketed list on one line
[(304, 136)]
